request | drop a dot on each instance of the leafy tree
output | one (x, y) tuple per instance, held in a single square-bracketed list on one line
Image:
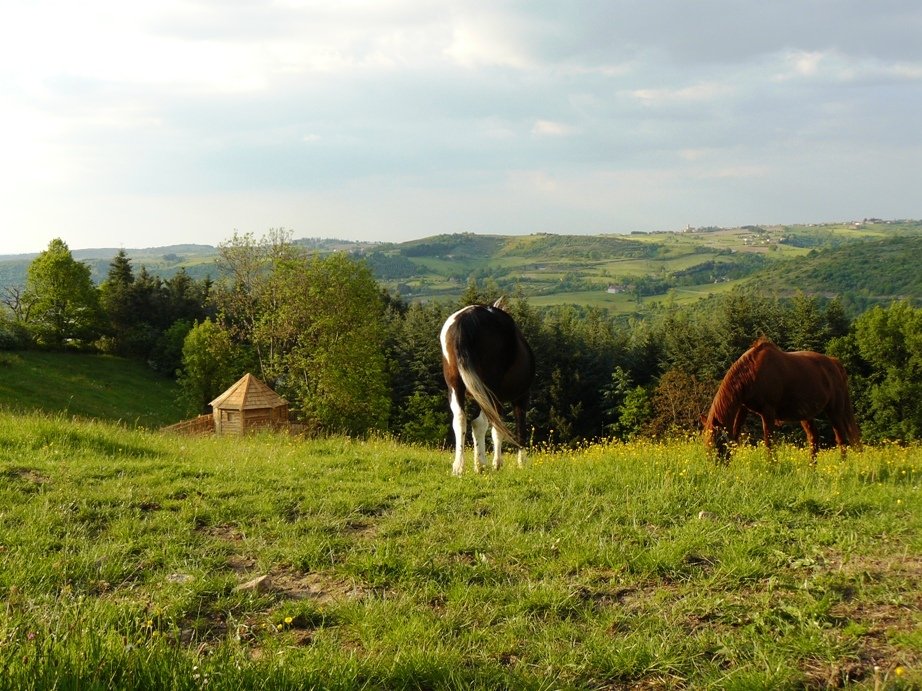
[(211, 363), (13, 334), (677, 402), (635, 412), (249, 301), (335, 367), (167, 354), (883, 356), (65, 303)]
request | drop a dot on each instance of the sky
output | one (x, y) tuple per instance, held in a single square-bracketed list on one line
[(143, 124)]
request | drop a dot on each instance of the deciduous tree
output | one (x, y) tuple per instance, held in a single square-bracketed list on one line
[(65, 303)]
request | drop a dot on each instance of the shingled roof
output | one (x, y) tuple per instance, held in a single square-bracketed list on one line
[(248, 393)]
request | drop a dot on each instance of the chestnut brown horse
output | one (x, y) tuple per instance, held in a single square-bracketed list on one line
[(781, 387), (484, 354)]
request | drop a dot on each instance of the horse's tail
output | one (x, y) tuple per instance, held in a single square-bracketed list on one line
[(851, 424), (479, 391), (847, 412)]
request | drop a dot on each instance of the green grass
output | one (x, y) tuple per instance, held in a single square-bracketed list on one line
[(88, 386), (610, 566)]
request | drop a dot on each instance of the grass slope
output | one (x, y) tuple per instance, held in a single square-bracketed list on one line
[(613, 566), (883, 270), (89, 386)]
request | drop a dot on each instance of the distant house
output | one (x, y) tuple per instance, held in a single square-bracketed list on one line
[(248, 405), (617, 289)]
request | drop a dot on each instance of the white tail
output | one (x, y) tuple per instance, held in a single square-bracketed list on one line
[(486, 400)]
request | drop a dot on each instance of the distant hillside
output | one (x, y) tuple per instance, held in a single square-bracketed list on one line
[(875, 271), (869, 259), (620, 273), (197, 260)]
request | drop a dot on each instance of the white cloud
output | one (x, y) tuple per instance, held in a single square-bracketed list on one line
[(836, 66), (695, 93), (479, 38), (549, 128)]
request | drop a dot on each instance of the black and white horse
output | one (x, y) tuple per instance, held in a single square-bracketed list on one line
[(485, 355)]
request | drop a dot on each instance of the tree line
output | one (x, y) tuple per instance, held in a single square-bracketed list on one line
[(353, 358)]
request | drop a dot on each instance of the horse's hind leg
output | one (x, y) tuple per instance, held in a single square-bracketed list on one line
[(518, 411), (812, 439), (497, 449), (479, 436), (459, 424), (841, 437)]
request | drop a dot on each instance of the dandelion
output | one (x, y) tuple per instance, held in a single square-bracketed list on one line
[(288, 620), (899, 671)]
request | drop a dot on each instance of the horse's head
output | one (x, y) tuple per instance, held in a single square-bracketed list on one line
[(716, 437)]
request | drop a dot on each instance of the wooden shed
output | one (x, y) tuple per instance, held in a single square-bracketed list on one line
[(248, 405)]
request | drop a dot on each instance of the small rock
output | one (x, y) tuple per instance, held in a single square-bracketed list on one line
[(260, 584)]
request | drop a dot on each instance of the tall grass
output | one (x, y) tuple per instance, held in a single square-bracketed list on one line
[(609, 566)]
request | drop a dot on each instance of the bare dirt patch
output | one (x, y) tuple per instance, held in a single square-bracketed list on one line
[(29, 475), (322, 588)]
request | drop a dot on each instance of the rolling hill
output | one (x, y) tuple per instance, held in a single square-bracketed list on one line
[(870, 260)]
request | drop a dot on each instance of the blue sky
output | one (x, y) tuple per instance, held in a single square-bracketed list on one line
[(140, 124)]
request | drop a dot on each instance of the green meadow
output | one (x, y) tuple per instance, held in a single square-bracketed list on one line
[(366, 565), (88, 386)]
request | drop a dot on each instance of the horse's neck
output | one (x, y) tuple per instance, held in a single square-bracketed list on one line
[(732, 393)]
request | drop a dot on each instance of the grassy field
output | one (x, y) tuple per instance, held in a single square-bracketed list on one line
[(611, 566), (88, 386)]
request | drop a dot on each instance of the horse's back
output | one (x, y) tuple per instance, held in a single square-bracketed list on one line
[(808, 383)]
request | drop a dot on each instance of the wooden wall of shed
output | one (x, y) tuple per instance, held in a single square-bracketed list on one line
[(228, 421), (240, 422)]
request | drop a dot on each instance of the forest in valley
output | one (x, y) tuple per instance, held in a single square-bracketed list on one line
[(349, 335)]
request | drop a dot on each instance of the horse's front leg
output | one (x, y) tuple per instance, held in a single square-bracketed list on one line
[(459, 424), (733, 432), (768, 422), (737, 425), (479, 436)]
